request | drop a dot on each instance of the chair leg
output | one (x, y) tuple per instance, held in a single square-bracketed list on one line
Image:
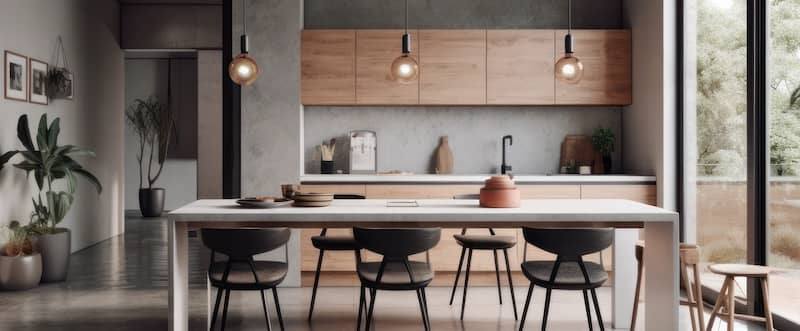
[(588, 310), (525, 310), (497, 275), (373, 293), (425, 302), (597, 311), (546, 308), (689, 295), (466, 283), (216, 309), (698, 294), (458, 273), (422, 309), (361, 302), (510, 284), (225, 309), (731, 306), (718, 305), (316, 283), (635, 313), (278, 307), (767, 312), (266, 313)]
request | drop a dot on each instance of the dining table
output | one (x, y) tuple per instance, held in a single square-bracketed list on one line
[(660, 229)]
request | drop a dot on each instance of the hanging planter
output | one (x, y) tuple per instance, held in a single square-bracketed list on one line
[(60, 83)]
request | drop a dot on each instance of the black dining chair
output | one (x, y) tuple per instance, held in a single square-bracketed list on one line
[(395, 272), (324, 242), (493, 242), (240, 272), (569, 271)]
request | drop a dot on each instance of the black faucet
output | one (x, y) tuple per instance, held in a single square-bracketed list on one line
[(506, 168)]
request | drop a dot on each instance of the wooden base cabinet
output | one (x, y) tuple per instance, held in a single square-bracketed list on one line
[(445, 256)]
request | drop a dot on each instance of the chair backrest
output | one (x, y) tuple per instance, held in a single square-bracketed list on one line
[(569, 244), (397, 243), (243, 243)]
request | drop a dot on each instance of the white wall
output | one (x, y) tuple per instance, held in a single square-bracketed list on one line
[(146, 77), (94, 119), (648, 125)]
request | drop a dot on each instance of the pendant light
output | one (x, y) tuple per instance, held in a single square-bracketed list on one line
[(243, 69), (405, 68), (569, 68)]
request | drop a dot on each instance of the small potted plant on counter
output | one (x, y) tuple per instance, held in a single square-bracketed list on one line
[(603, 140), (153, 125), (20, 264), (54, 168)]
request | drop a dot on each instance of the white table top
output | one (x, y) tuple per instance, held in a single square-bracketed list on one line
[(462, 211), (474, 179)]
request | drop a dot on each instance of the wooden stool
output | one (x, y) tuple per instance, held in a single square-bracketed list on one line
[(689, 255), (726, 294)]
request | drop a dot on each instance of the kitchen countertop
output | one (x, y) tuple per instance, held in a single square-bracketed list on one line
[(474, 179)]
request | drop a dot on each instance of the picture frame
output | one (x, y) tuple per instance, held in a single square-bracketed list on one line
[(15, 76), (37, 89)]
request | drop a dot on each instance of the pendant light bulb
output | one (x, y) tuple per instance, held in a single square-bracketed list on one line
[(405, 68), (569, 68), (243, 69)]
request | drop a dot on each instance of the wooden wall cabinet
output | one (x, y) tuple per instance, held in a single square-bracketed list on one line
[(606, 58), (328, 73), (375, 52), (519, 67), (452, 67)]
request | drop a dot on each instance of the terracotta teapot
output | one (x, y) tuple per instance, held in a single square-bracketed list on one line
[(499, 192)]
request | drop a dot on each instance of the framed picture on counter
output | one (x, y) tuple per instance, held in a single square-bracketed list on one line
[(15, 76), (38, 82)]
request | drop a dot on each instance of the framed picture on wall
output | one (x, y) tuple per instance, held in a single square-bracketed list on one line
[(16, 76), (37, 90)]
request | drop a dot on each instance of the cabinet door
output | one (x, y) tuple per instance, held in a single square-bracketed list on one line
[(644, 193), (375, 52), (452, 67), (519, 67), (328, 75), (606, 58)]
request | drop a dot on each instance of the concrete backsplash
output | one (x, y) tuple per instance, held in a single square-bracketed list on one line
[(408, 136)]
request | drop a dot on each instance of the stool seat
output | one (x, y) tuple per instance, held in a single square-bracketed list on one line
[(485, 242), (740, 270), (335, 243)]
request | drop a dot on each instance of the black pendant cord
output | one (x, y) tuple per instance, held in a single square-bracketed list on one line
[(243, 40), (406, 43), (569, 19), (568, 37), (405, 30)]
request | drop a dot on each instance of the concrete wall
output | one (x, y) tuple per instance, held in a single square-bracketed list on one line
[(271, 111), (94, 119), (171, 26), (474, 135), (146, 77), (408, 135), (649, 123)]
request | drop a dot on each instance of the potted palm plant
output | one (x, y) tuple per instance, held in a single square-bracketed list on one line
[(54, 169), (603, 140), (20, 264), (153, 125)]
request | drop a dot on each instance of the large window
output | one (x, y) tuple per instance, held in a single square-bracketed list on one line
[(715, 140)]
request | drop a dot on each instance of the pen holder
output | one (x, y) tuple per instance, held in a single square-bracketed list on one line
[(326, 167)]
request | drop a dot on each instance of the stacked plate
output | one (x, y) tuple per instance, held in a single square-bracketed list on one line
[(312, 199), (263, 202)]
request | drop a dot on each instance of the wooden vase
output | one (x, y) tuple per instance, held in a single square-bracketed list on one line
[(444, 157)]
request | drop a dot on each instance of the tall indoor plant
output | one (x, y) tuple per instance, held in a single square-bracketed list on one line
[(603, 140), (20, 263), (54, 169), (153, 124)]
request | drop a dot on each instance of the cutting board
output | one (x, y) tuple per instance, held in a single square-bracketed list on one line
[(579, 148)]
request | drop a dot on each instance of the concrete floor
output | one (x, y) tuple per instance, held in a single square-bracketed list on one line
[(121, 284)]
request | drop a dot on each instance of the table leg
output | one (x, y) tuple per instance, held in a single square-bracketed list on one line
[(624, 286), (661, 275), (178, 277)]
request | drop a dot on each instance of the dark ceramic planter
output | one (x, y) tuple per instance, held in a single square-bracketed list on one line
[(55, 249), (151, 201), (19, 273), (607, 164)]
